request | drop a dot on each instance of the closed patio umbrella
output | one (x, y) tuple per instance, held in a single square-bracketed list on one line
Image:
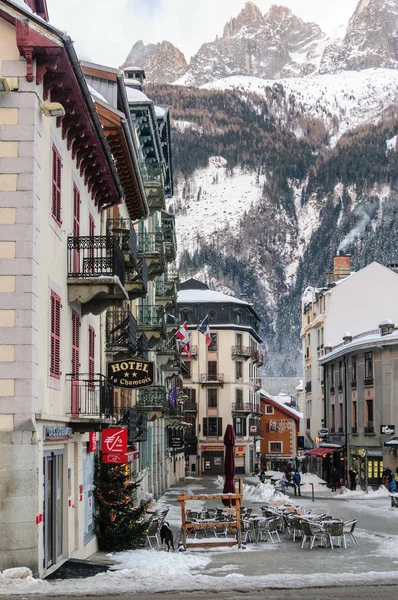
[(229, 464)]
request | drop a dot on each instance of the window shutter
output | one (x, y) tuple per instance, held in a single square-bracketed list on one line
[(91, 352), (219, 427), (204, 426), (56, 186), (91, 226), (75, 344), (76, 211), (55, 352)]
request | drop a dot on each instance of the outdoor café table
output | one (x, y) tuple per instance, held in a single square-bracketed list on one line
[(256, 520)]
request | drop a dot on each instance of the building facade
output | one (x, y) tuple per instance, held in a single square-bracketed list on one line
[(361, 382), (85, 253), (221, 380), (349, 303)]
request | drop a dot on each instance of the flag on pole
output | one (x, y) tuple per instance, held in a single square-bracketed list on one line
[(205, 329), (183, 338)]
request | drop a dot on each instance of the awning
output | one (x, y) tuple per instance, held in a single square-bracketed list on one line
[(320, 452), (393, 442)]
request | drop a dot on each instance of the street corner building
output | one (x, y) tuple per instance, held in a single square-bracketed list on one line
[(221, 376), (87, 278)]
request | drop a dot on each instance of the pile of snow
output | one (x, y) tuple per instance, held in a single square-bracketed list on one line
[(16, 573)]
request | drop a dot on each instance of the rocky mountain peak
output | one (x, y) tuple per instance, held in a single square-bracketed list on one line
[(250, 17), (161, 62)]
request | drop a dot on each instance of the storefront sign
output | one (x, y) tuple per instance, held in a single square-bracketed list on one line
[(212, 448), (240, 449), (253, 428), (387, 429), (177, 442), (55, 433), (92, 441), (130, 374), (115, 459), (114, 441)]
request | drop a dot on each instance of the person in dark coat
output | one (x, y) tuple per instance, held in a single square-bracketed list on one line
[(353, 479), (335, 477), (296, 479)]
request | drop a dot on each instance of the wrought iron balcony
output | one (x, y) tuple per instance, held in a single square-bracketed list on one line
[(190, 406), (257, 382), (369, 427), (368, 381), (332, 390), (91, 395), (165, 292), (170, 243), (340, 388), (257, 356), (123, 231), (137, 281), (95, 256), (142, 346), (151, 245), (257, 409), (121, 331), (354, 430), (241, 407), (151, 316), (244, 351), (354, 385), (194, 351), (153, 398), (212, 378)]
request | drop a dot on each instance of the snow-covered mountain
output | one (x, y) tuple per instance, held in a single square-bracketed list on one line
[(279, 44)]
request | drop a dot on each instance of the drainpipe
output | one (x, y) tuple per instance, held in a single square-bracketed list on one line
[(346, 444)]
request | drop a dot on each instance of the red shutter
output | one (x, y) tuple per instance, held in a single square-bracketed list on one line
[(56, 186), (75, 343), (91, 352), (91, 225), (76, 211), (55, 353)]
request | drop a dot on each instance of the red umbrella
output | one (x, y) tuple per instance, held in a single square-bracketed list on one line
[(229, 464)]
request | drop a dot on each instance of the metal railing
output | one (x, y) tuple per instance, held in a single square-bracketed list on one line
[(241, 351), (91, 395), (369, 427), (190, 406), (123, 231), (150, 242), (368, 381), (241, 407), (151, 398), (212, 378), (95, 256), (150, 316), (121, 330)]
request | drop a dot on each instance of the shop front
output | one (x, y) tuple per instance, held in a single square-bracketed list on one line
[(213, 460), (240, 457), (367, 461)]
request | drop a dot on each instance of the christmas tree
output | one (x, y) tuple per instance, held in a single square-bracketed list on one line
[(121, 522)]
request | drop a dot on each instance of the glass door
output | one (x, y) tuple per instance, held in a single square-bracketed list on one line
[(53, 507)]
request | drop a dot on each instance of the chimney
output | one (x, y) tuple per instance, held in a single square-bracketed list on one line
[(341, 266), (347, 337), (386, 327)]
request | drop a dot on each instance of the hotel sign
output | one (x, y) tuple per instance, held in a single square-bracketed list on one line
[(130, 374)]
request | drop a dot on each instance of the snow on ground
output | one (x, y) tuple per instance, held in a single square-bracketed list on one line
[(351, 97), (213, 200)]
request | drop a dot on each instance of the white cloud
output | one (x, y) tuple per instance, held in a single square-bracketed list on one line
[(107, 35)]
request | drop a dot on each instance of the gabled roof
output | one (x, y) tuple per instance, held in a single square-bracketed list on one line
[(290, 412)]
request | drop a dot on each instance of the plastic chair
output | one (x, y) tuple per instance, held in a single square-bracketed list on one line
[(348, 531)]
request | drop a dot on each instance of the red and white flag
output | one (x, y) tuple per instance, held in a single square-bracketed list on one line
[(183, 338)]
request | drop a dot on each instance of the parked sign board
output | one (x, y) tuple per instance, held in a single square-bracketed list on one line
[(131, 374)]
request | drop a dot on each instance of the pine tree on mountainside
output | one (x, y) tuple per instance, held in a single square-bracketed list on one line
[(121, 523)]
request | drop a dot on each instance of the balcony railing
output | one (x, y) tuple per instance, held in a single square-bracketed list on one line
[(244, 407), (257, 382), (308, 386), (123, 231), (153, 398), (91, 395), (332, 390), (194, 351), (216, 378), (150, 316), (369, 427), (340, 387), (354, 429), (354, 385), (256, 409), (257, 356), (121, 330), (95, 256), (190, 406), (149, 243), (245, 351), (168, 229), (368, 381), (142, 346)]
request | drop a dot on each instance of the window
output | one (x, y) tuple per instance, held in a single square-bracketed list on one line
[(213, 346), (275, 447), (239, 340), (212, 370), (239, 370), (239, 398), (191, 393), (369, 425), (212, 427), (354, 417), (340, 372), (75, 343), (212, 399), (340, 425), (55, 328), (238, 317), (354, 369), (91, 352), (269, 410), (56, 186), (239, 424), (368, 365), (333, 423), (186, 372)]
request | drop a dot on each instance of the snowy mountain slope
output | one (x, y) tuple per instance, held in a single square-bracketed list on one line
[(342, 101)]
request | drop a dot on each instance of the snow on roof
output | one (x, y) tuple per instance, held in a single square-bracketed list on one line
[(134, 95), (198, 296), (160, 112), (365, 340), (278, 400), (96, 94)]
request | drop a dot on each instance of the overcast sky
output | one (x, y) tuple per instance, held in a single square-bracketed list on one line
[(105, 30)]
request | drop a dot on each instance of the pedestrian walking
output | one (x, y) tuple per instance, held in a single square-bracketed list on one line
[(296, 482), (283, 483), (353, 479), (335, 478)]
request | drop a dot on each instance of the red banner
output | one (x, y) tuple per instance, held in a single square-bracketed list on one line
[(114, 441), (115, 459), (92, 441)]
